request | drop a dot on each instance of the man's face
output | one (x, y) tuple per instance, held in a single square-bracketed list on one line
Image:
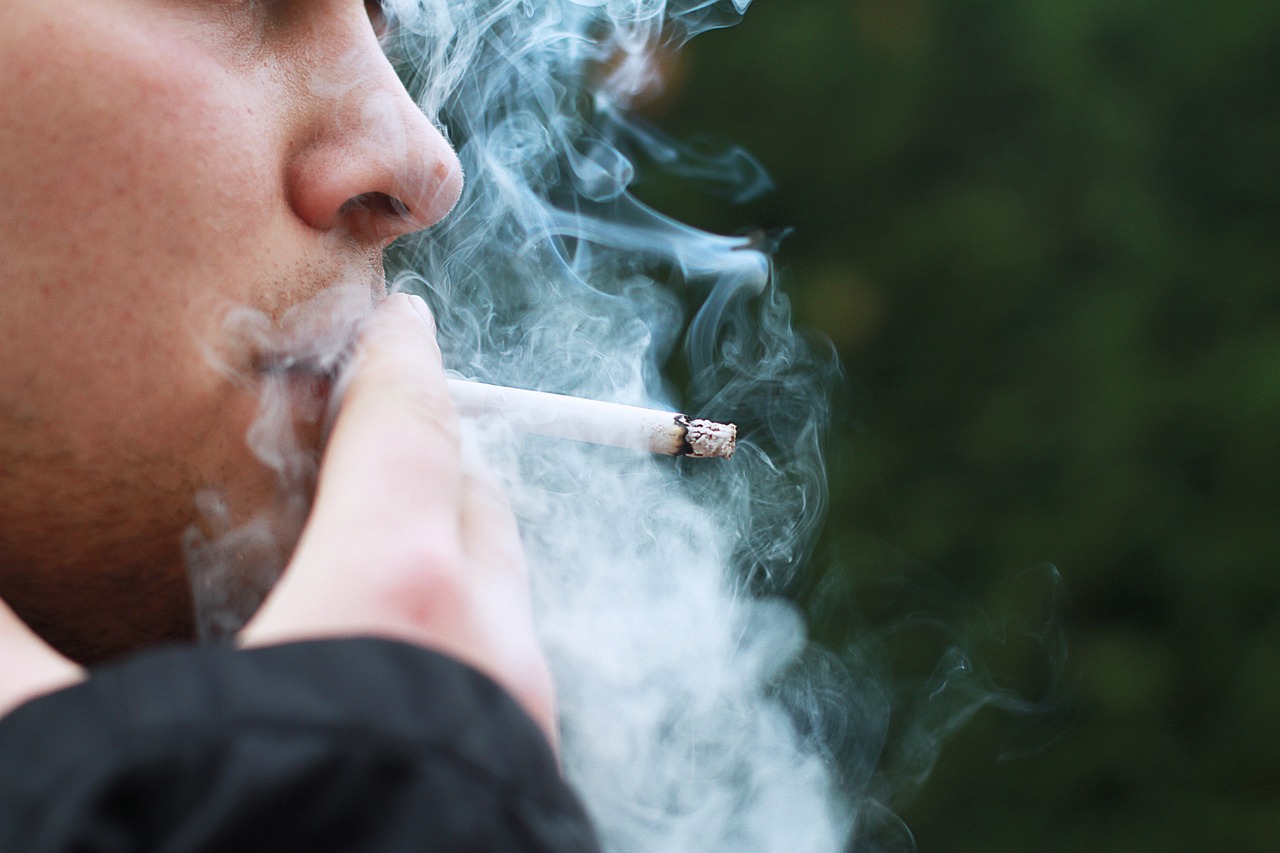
[(161, 162)]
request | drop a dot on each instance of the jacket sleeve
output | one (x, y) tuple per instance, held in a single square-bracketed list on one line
[(338, 745)]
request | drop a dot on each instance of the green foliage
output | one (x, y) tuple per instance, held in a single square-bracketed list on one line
[(1045, 238)]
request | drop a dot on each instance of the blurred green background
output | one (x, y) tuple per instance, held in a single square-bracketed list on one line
[(1045, 239)]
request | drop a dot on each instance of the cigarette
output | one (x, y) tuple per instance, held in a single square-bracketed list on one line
[(596, 422)]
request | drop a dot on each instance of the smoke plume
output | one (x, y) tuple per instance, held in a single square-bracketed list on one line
[(695, 714), (653, 578)]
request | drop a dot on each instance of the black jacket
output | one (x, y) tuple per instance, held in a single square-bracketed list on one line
[(335, 745)]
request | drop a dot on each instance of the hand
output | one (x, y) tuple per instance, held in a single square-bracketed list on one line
[(403, 541), (28, 666)]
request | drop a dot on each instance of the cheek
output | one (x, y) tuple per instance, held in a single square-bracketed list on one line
[(142, 194), (153, 160), (139, 170)]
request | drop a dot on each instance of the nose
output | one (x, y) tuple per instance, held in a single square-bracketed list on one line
[(367, 161)]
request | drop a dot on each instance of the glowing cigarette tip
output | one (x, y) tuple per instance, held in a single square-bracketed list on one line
[(596, 422)]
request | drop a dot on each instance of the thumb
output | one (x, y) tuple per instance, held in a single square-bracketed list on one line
[(397, 428), (386, 509)]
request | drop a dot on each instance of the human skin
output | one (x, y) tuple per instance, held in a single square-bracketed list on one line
[(440, 567), (161, 162)]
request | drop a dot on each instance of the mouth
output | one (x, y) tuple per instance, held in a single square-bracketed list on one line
[(297, 358), (302, 365), (305, 384)]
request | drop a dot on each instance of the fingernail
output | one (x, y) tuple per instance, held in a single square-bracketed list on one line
[(423, 312)]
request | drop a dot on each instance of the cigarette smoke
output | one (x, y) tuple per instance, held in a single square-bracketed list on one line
[(695, 714), (653, 578)]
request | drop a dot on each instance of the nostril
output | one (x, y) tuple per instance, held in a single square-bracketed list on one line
[(377, 204), (401, 209)]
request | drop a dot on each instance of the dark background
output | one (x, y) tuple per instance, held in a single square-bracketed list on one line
[(1043, 237)]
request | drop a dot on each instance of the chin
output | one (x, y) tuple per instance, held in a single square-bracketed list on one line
[(92, 614), (99, 571)]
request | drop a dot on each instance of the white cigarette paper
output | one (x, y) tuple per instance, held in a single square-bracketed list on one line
[(561, 416)]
